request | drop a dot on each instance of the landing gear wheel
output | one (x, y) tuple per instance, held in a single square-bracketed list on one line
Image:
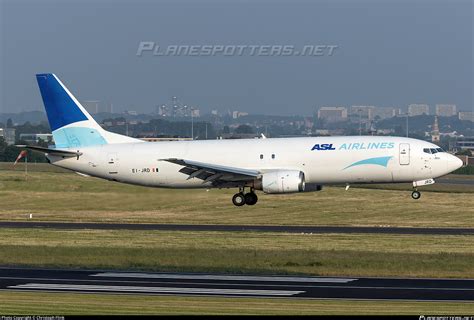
[(416, 195), (251, 198), (238, 199)]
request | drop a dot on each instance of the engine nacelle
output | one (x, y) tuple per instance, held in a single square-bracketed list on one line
[(283, 181)]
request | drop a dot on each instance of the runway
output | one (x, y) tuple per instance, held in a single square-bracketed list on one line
[(236, 285), (233, 228)]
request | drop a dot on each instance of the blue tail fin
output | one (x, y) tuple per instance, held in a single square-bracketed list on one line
[(72, 126), (59, 104)]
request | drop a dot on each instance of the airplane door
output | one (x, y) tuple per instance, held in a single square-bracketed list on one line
[(112, 163), (404, 154)]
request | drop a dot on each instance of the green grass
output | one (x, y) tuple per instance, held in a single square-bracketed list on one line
[(60, 196), (105, 304), (241, 252)]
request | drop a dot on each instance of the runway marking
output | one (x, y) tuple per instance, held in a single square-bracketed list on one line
[(79, 287), (220, 277), (249, 285), (167, 282)]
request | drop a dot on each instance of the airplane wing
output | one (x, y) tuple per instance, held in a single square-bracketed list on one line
[(214, 173), (54, 152)]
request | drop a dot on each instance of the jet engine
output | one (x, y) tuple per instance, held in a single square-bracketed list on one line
[(283, 181)]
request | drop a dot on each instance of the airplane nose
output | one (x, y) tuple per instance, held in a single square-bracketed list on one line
[(454, 163)]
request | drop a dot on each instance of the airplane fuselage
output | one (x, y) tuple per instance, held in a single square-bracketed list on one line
[(324, 160)]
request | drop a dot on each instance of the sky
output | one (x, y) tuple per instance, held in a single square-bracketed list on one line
[(388, 53)]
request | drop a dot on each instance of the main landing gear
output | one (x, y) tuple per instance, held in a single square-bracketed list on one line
[(241, 198)]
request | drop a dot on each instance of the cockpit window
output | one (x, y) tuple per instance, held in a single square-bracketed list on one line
[(432, 150)]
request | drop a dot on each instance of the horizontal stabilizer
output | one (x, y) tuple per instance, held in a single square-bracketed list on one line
[(53, 152)]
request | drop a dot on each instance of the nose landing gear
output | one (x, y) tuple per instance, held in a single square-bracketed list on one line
[(416, 194), (241, 198)]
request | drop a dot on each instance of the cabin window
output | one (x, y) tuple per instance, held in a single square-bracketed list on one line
[(261, 156), (273, 156)]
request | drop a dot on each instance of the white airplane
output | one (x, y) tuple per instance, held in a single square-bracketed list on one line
[(279, 165)]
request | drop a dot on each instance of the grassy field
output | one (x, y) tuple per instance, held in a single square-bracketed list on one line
[(52, 194), (84, 304), (241, 252)]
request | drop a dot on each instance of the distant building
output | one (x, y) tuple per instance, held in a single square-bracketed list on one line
[(329, 132), (92, 106), (177, 110), (165, 111), (165, 139), (240, 136), (34, 138), (366, 112), (238, 114), (308, 123), (466, 115), (332, 114), (435, 131), (445, 110), (8, 134), (195, 113), (385, 131), (418, 109), (322, 132), (183, 111), (463, 143), (384, 112)]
